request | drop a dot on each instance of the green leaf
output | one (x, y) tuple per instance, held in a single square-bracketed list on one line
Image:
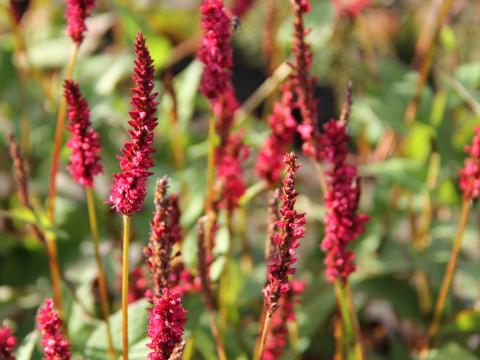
[(96, 346), (451, 351), (26, 348)]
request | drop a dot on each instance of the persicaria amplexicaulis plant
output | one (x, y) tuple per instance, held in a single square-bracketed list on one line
[(166, 325), (128, 190), (216, 50), (165, 232), (84, 141), (76, 13), (55, 345), (7, 343), (342, 222), (283, 125), (303, 82), (286, 239)]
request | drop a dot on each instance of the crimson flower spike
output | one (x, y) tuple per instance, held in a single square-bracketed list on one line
[(283, 125), (470, 173), (84, 141), (128, 190), (165, 233), (55, 345), (342, 223), (166, 325), (76, 13), (304, 83), (290, 230), (7, 343), (216, 50)]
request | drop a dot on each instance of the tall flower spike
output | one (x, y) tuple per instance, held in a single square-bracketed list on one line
[(470, 173), (55, 345), (304, 83), (166, 325), (76, 13), (290, 230), (128, 190), (7, 343), (84, 141), (282, 124), (216, 50), (342, 223), (164, 234)]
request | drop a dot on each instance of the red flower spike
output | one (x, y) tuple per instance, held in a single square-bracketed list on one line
[(216, 50), (290, 230), (128, 190), (166, 325), (470, 173), (228, 163), (7, 343), (55, 345), (282, 123), (342, 223), (76, 13), (303, 82), (84, 141)]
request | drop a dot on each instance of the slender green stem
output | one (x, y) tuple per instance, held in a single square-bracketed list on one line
[(447, 279), (52, 254), (260, 347), (125, 273), (102, 283), (345, 305), (209, 206)]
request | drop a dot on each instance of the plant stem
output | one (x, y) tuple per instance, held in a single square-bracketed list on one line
[(342, 292), (209, 208), (125, 273), (359, 353), (447, 279), (51, 248), (263, 336), (58, 138), (321, 177), (217, 335), (102, 283)]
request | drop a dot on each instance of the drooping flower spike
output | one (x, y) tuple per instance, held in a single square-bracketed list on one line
[(216, 50), (470, 173), (76, 13), (342, 223), (55, 345), (7, 343), (84, 141), (166, 325), (128, 190), (286, 239)]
